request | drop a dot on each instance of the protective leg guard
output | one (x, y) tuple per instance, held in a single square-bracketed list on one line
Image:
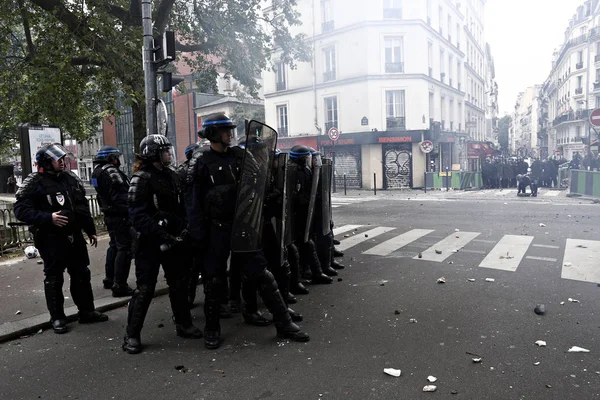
[(213, 288)]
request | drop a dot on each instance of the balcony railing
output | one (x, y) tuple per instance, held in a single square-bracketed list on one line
[(330, 124), (579, 65), (395, 123), (282, 131), (596, 85), (571, 116), (397, 67), (327, 26), (579, 91), (329, 76), (281, 86), (392, 13)]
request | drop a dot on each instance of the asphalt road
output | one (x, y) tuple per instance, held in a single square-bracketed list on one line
[(361, 325)]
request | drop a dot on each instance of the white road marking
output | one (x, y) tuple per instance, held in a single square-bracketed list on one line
[(397, 242), (345, 228), (545, 246), (455, 241), (508, 253), (552, 193), (361, 237), (542, 258), (484, 241), (581, 263), (472, 251), (336, 205)]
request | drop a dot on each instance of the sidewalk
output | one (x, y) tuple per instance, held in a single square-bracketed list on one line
[(22, 303)]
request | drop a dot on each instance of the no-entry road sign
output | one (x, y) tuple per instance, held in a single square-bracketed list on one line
[(595, 118), (334, 134)]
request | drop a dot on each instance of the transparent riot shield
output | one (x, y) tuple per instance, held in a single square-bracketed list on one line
[(291, 202), (255, 174), (313, 201), (281, 216), (326, 178)]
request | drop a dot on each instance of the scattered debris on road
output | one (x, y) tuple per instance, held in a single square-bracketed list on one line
[(541, 343), (471, 280), (181, 368), (18, 312), (396, 312), (540, 309), (430, 388), (536, 363), (392, 372), (412, 321), (438, 252), (457, 230), (542, 225), (40, 262), (477, 360), (568, 264), (161, 325), (562, 303), (441, 280), (431, 378), (490, 280), (420, 255), (340, 279), (577, 349), (573, 300)]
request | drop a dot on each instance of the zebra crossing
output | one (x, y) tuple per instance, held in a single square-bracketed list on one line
[(579, 259), (340, 201), (500, 193)]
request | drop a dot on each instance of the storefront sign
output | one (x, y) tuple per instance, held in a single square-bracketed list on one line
[(397, 139), (373, 137), (426, 146)]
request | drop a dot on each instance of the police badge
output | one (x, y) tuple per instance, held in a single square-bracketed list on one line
[(60, 198)]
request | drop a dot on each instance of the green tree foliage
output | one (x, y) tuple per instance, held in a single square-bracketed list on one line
[(503, 127), (64, 62)]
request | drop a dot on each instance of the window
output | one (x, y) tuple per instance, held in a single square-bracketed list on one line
[(579, 81), (281, 76), (329, 55), (443, 112), (458, 73), (449, 28), (442, 69), (393, 55), (579, 57), (282, 121), (441, 18), (431, 107), (597, 75), (598, 48), (429, 12), (458, 35), (394, 110), (392, 9), (578, 131), (327, 22), (597, 101), (430, 58), (451, 115), (450, 67), (331, 113)]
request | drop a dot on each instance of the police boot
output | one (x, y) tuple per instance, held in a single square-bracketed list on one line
[(250, 311), (235, 305), (107, 283), (181, 310), (336, 265), (212, 329), (336, 242), (271, 296), (317, 275), (82, 294), (90, 317), (55, 302), (121, 291), (295, 316), (295, 286), (138, 308), (337, 253), (324, 251), (290, 299)]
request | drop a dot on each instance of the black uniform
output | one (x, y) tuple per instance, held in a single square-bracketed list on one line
[(112, 186), (157, 212), (41, 195)]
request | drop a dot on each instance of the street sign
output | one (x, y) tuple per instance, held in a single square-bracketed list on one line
[(595, 118), (162, 117), (426, 146), (334, 134), (364, 121)]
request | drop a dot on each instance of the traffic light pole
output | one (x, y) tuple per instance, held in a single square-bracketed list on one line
[(149, 69)]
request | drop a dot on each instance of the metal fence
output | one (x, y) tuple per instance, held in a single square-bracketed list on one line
[(15, 234)]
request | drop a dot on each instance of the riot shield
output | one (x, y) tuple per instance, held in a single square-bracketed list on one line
[(313, 200), (326, 175), (255, 175), (281, 215), (291, 203)]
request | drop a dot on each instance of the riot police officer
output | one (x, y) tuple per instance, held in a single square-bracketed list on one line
[(112, 186), (215, 200), (157, 212), (185, 172), (52, 202), (303, 200)]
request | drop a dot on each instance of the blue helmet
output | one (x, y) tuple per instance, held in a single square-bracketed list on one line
[(301, 155), (105, 153), (190, 150)]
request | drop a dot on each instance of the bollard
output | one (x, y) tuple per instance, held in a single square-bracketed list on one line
[(447, 181), (345, 193), (425, 181), (375, 183)]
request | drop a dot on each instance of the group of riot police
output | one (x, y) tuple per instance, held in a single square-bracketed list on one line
[(247, 218)]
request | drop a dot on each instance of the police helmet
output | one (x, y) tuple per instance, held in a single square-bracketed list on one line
[(48, 153), (316, 157), (190, 150), (108, 154), (153, 147), (214, 124), (301, 155), (241, 142)]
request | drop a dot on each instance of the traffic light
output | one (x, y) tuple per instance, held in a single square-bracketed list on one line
[(169, 81)]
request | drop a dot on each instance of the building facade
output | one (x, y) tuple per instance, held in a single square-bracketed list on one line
[(388, 75), (492, 109), (525, 123), (572, 88), (87, 151)]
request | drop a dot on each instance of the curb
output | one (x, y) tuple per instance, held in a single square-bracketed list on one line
[(28, 326)]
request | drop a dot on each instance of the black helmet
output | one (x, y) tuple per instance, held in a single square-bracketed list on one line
[(301, 155), (108, 154), (213, 124), (48, 153), (190, 150), (316, 157), (152, 146)]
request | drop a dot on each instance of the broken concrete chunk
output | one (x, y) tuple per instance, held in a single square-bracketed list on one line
[(540, 309), (441, 280), (541, 343), (431, 378), (392, 372), (430, 388), (438, 252), (577, 349)]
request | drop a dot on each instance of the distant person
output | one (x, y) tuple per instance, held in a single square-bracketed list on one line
[(11, 183)]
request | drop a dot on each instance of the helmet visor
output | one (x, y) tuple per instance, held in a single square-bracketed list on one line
[(316, 160), (56, 151), (166, 156)]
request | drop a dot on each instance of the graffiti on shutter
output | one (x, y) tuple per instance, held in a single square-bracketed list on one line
[(398, 166), (347, 161)]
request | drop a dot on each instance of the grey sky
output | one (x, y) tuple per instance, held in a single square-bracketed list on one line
[(522, 35)]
